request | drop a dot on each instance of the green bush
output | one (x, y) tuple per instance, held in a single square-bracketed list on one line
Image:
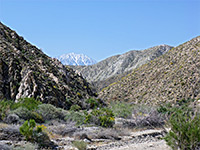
[(5, 108), (49, 111), (75, 116), (37, 117), (75, 108), (35, 134), (122, 110), (93, 103), (27, 129), (185, 130), (103, 117), (81, 145), (26, 114), (22, 108), (170, 108), (22, 112), (28, 103)]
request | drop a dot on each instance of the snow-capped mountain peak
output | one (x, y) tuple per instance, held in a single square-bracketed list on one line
[(76, 59)]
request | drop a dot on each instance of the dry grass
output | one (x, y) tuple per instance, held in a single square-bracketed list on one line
[(3, 125)]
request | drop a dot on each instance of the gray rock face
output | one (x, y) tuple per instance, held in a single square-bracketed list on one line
[(25, 71), (120, 64)]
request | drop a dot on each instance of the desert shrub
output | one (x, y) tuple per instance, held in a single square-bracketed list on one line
[(5, 108), (37, 117), (23, 108), (35, 133), (22, 112), (27, 129), (103, 117), (26, 114), (93, 103), (49, 112), (185, 129), (146, 116), (74, 116), (170, 108), (75, 108), (81, 145), (122, 110), (28, 103)]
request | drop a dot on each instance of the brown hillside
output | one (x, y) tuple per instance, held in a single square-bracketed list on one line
[(173, 76)]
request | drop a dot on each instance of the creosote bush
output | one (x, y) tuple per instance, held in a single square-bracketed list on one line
[(103, 117), (75, 116), (4, 108), (29, 108), (185, 131), (28, 103), (185, 127), (75, 108), (81, 145), (93, 103), (35, 134), (122, 110), (49, 112)]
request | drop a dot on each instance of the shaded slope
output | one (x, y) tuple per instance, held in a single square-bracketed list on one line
[(25, 71), (173, 76)]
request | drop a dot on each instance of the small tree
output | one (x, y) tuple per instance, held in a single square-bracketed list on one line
[(27, 129)]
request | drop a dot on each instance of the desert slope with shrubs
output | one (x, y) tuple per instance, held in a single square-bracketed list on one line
[(107, 71), (171, 77)]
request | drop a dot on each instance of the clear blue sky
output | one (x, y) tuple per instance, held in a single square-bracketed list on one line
[(101, 28)]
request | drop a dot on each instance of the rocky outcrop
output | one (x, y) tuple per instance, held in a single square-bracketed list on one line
[(113, 68), (25, 71), (173, 76)]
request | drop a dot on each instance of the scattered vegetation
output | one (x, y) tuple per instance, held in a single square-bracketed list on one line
[(75, 116), (28, 129), (75, 108), (4, 108), (28, 103), (81, 145), (103, 117), (50, 112), (35, 134), (184, 124), (93, 103), (122, 110)]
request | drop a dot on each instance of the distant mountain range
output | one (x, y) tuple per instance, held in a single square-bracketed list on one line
[(76, 59), (171, 77), (114, 68)]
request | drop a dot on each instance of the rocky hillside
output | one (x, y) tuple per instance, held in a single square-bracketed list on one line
[(173, 76), (25, 71), (76, 59), (107, 71)]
